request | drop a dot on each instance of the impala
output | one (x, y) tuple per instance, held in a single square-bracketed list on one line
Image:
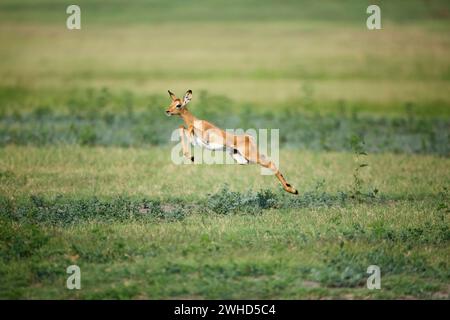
[(242, 148)]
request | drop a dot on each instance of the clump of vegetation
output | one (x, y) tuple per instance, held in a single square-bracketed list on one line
[(20, 240), (83, 124), (431, 232), (61, 210), (226, 201), (66, 211), (357, 190)]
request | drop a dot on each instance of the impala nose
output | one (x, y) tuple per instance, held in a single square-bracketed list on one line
[(168, 112)]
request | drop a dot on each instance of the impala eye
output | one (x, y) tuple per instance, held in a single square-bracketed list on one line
[(178, 106)]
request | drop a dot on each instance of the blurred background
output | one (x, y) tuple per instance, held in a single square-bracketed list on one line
[(312, 69)]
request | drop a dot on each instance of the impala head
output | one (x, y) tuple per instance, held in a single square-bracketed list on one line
[(177, 104)]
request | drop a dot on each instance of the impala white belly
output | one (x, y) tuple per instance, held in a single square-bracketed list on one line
[(197, 141)]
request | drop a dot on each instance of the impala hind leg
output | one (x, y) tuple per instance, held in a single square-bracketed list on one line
[(270, 165), (186, 146), (251, 153)]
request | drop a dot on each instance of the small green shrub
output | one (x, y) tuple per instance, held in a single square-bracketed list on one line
[(20, 240), (226, 202)]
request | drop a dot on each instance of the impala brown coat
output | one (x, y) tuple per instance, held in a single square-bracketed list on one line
[(201, 132)]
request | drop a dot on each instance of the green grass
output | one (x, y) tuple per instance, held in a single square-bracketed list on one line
[(85, 170), (232, 11), (165, 237), (266, 63), (313, 130)]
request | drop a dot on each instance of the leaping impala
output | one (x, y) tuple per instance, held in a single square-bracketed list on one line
[(203, 133)]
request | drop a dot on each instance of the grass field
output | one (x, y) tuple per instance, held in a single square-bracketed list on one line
[(86, 176)]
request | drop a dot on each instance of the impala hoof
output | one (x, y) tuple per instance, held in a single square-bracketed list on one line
[(291, 190), (192, 159)]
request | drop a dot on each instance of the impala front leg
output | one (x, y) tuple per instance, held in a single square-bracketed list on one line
[(190, 131), (186, 146)]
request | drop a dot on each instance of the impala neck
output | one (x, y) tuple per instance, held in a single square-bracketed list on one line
[(188, 117)]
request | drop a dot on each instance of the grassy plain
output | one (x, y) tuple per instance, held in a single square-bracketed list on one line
[(85, 170)]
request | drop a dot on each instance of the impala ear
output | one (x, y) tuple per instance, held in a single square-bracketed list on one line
[(172, 96), (187, 97)]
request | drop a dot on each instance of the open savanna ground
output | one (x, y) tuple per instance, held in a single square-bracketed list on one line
[(142, 227), (86, 175)]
